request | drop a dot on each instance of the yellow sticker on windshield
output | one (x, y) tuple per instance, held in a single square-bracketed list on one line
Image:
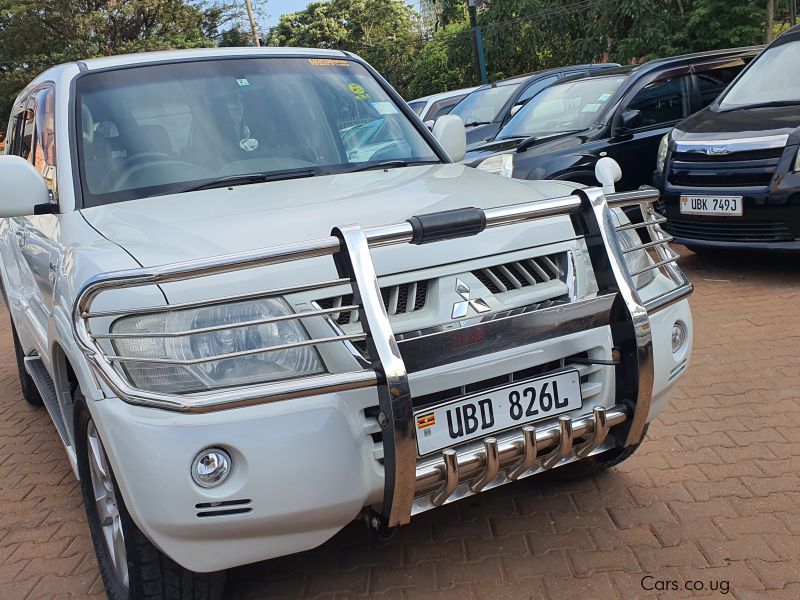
[(358, 90), (328, 62)]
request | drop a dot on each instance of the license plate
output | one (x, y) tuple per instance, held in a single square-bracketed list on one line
[(494, 410), (725, 206)]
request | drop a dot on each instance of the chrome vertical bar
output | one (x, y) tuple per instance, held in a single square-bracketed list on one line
[(450, 478), (492, 465), (600, 433), (564, 447), (396, 416), (632, 333), (528, 453)]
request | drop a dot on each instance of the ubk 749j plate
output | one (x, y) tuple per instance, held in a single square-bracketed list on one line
[(509, 406), (725, 206)]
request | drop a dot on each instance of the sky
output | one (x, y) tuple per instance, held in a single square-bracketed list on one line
[(275, 8)]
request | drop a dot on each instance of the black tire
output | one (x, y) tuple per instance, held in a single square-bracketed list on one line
[(152, 575), (29, 390), (593, 465)]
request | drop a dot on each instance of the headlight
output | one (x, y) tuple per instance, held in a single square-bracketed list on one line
[(223, 372), (661, 158), (499, 164)]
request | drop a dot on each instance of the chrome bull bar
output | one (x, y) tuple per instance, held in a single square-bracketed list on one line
[(617, 303)]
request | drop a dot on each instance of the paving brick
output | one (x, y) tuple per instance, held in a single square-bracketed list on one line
[(586, 562), (713, 494)]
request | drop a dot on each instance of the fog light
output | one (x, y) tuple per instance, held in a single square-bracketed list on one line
[(211, 467), (678, 336)]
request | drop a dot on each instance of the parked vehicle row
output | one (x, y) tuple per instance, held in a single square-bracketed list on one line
[(622, 113), (486, 110), (717, 132), (260, 300)]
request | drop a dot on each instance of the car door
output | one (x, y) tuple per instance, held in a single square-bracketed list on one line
[(37, 250), (661, 102)]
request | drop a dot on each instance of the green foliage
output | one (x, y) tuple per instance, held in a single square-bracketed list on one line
[(37, 34), (378, 30)]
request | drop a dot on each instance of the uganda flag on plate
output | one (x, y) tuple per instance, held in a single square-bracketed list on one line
[(426, 420)]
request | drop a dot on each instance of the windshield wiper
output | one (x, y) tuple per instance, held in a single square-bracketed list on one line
[(248, 178), (771, 104), (391, 164), (476, 123), (531, 141)]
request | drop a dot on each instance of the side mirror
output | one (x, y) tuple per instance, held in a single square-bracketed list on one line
[(630, 119), (516, 107), (23, 187), (429, 124), (449, 131), (607, 171)]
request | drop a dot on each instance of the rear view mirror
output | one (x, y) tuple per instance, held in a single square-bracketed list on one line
[(449, 131), (23, 187), (429, 124), (631, 119)]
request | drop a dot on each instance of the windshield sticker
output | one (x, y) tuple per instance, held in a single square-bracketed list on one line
[(594, 107), (384, 108), (358, 90), (604, 97), (242, 82), (328, 62)]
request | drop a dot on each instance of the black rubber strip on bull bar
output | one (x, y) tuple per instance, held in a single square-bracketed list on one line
[(447, 225)]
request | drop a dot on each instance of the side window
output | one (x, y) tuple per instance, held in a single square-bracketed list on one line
[(663, 101), (44, 139), (714, 81), (23, 143), (536, 87)]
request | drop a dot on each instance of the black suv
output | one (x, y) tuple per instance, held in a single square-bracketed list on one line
[(486, 109), (730, 175), (622, 113)]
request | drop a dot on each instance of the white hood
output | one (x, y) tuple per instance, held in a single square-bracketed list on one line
[(179, 227)]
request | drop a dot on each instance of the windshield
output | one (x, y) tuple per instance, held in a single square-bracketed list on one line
[(572, 106), (418, 106), (484, 106), (768, 79), (157, 129)]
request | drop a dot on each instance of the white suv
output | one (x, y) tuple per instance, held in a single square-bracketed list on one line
[(237, 370)]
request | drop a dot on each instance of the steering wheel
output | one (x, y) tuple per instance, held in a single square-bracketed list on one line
[(124, 180)]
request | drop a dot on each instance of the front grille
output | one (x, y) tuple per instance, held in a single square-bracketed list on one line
[(520, 274), (397, 299), (729, 231), (754, 168)]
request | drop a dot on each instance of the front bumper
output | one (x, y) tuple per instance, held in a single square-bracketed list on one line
[(304, 469), (307, 460), (770, 220)]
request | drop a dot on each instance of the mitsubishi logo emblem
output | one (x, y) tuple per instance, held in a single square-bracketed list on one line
[(717, 150), (461, 307)]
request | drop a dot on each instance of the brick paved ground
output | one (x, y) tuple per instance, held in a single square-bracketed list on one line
[(712, 497)]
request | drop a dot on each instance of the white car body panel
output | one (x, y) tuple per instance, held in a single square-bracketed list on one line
[(307, 466)]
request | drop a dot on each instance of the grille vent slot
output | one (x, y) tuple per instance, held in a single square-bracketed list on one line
[(520, 274), (223, 508), (397, 299)]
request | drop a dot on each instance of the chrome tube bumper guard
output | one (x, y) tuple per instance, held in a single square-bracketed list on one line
[(410, 485)]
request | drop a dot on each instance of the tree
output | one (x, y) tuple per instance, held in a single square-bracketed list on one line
[(381, 31), (37, 34)]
